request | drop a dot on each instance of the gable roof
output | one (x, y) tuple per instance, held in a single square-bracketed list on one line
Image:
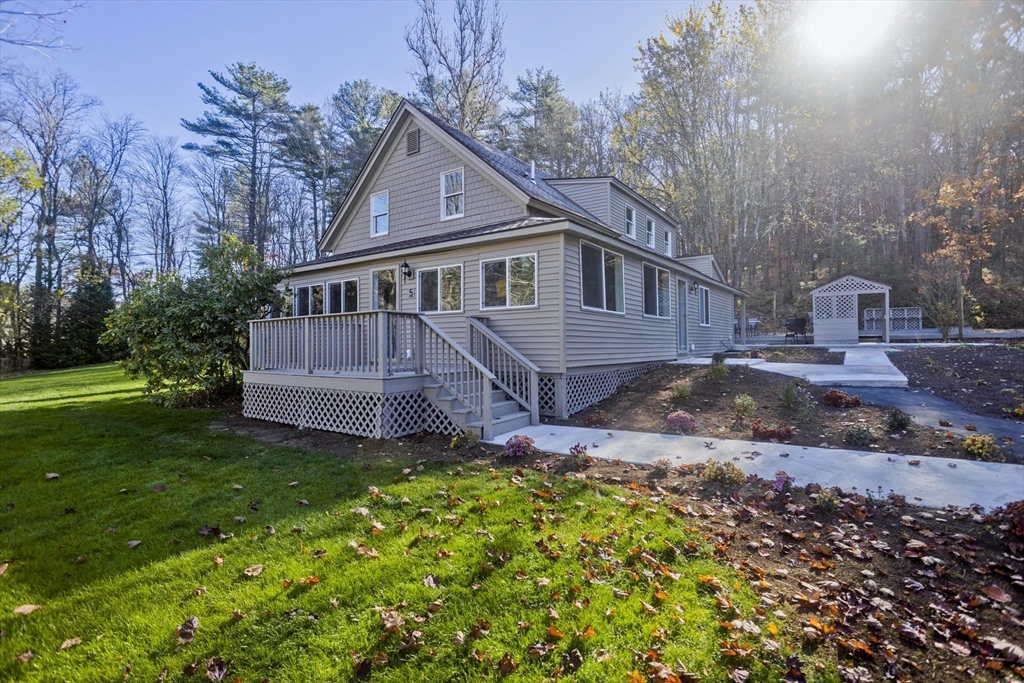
[(506, 171), (851, 284)]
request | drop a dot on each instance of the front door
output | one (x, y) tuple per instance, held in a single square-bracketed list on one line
[(681, 298)]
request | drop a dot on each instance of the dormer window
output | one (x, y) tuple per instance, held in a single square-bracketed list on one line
[(379, 214), (630, 222), (650, 233), (453, 196)]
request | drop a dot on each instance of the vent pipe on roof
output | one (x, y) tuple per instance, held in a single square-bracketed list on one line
[(533, 172)]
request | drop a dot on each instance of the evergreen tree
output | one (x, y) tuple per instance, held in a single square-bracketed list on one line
[(247, 126), (84, 321)]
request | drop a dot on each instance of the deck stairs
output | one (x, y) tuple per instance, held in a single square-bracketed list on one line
[(506, 414)]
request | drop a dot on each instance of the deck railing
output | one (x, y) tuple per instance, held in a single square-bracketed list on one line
[(376, 344), (513, 372)]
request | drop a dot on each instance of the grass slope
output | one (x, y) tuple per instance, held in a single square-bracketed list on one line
[(66, 545)]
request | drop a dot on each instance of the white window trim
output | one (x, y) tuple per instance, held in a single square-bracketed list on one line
[(373, 288), (650, 232), (374, 233), (508, 290), (643, 304), (309, 298), (630, 227), (323, 297), (462, 289), (604, 293), (669, 242), (327, 290), (462, 170), (701, 289)]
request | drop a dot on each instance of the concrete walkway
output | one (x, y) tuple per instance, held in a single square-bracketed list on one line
[(863, 366), (927, 409), (933, 482)]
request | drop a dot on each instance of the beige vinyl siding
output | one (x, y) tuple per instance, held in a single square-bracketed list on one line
[(591, 195), (709, 339), (413, 184), (533, 331), (602, 338)]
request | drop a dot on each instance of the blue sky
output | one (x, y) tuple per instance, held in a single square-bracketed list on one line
[(146, 57)]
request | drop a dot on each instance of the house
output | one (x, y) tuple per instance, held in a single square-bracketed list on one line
[(461, 290)]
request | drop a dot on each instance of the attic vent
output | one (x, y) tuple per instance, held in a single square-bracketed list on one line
[(412, 142)]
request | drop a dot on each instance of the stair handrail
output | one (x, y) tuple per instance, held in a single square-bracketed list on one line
[(531, 401), (479, 401)]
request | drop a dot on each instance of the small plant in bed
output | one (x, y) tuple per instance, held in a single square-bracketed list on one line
[(718, 371), (724, 473), (756, 353), (463, 440), (661, 467), (681, 391), (745, 406), (896, 420), (840, 399), (770, 430), (680, 421), (579, 456), (520, 446), (598, 418), (858, 435), (983, 447)]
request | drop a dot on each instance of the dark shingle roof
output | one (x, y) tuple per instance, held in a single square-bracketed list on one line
[(515, 171), (516, 224)]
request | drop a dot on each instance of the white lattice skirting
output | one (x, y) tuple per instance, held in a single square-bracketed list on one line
[(584, 390), (546, 395), (359, 413)]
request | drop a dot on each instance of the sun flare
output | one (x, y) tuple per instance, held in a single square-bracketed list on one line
[(842, 30)]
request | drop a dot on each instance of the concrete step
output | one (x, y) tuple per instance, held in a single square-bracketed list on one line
[(505, 423)]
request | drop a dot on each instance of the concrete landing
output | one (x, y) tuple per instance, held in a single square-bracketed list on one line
[(933, 482), (862, 367)]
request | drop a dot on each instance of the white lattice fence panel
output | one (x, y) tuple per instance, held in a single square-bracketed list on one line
[(630, 374), (546, 394), (272, 403), (908, 318), (850, 284), (846, 306), (585, 390), (873, 318), (436, 421), (822, 308), (348, 412)]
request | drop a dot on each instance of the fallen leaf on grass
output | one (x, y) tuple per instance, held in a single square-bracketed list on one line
[(52, 475), (218, 560), (217, 668), (160, 488), (253, 570), (187, 631), (134, 544), (70, 643), (25, 656), (26, 609), (996, 593), (507, 667), (309, 580)]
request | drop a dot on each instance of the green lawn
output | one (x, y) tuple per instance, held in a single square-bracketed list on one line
[(66, 543)]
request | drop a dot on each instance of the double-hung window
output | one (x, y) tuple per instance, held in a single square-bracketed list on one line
[(650, 233), (343, 297), (630, 222), (379, 214), (656, 292), (704, 305), (601, 279), (309, 300), (385, 290), (453, 194), (509, 282), (440, 289), (669, 244)]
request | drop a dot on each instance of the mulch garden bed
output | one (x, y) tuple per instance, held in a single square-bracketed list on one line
[(801, 354), (885, 590), (644, 404), (987, 380)]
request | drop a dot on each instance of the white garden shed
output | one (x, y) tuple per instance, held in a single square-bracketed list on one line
[(835, 309)]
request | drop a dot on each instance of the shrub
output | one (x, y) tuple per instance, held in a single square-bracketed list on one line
[(681, 391), (718, 371), (840, 399), (983, 447), (858, 435), (1012, 514), (596, 418), (189, 339), (1018, 411), (718, 358), (579, 456), (680, 421), (896, 420), (789, 395), (768, 430), (463, 440), (724, 473), (756, 353), (745, 406), (661, 466), (520, 446), (783, 482)]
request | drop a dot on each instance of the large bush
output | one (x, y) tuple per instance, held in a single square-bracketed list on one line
[(190, 338)]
